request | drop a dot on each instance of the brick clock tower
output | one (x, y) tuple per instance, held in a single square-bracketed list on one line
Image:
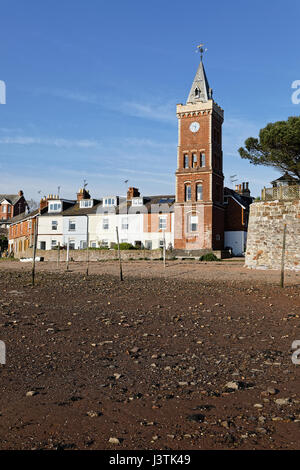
[(199, 210)]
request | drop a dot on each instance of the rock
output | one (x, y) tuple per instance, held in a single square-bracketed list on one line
[(31, 393), (93, 414), (114, 440), (258, 405), (282, 401), (199, 418), (232, 385)]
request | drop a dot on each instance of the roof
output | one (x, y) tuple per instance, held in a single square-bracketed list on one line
[(244, 201), (286, 177), (23, 216), (12, 198), (200, 90)]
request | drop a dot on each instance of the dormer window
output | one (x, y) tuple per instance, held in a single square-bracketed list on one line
[(54, 206), (85, 203), (137, 201), (110, 201)]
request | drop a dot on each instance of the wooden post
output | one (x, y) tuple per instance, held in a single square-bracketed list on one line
[(34, 249), (58, 254), (164, 250), (283, 257), (68, 252), (87, 245), (119, 252)]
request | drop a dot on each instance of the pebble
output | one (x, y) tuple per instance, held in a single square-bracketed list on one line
[(282, 401), (232, 385), (31, 393), (114, 440)]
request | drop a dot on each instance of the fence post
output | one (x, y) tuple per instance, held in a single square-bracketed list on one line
[(58, 254), (119, 252), (164, 250), (283, 257), (87, 245), (68, 250), (34, 249)]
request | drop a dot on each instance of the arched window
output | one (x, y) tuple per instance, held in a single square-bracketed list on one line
[(199, 191), (188, 192)]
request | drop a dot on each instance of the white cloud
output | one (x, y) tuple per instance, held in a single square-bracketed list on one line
[(56, 142)]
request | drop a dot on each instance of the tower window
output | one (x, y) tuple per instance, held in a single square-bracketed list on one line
[(199, 192), (202, 159), (186, 161), (193, 225), (196, 92), (194, 159), (188, 192)]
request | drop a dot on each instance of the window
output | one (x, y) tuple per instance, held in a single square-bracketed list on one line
[(105, 224), (188, 192), (72, 225), (193, 223), (93, 244), (163, 222), (86, 203), (82, 244), (54, 224), (55, 207), (194, 160), (137, 201), (53, 244), (186, 161), (199, 191), (104, 243), (42, 245), (161, 243), (109, 201), (202, 159), (124, 223)]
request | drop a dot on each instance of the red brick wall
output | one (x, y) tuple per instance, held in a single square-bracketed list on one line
[(234, 216)]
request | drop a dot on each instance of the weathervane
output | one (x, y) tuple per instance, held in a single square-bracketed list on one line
[(201, 50)]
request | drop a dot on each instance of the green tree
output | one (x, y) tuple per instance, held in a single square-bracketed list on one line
[(278, 146)]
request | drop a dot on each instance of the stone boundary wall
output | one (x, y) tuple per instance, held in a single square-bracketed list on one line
[(265, 235), (94, 255)]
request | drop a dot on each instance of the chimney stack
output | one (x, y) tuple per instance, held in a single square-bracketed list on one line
[(83, 194), (132, 192), (243, 189), (43, 203)]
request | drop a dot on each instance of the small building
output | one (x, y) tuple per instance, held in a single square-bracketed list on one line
[(11, 205), (237, 207)]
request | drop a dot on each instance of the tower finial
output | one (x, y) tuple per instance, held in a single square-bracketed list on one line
[(201, 50)]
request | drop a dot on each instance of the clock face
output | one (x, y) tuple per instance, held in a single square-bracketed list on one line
[(194, 126)]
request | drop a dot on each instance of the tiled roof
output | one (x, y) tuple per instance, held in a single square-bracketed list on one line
[(12, 198)]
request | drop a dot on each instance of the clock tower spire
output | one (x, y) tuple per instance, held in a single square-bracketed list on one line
[(199, 210)]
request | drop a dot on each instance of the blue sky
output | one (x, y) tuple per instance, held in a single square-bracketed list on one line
[(92, 88)]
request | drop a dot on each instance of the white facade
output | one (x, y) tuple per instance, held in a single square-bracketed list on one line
[(75, 231), (50, 231)]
